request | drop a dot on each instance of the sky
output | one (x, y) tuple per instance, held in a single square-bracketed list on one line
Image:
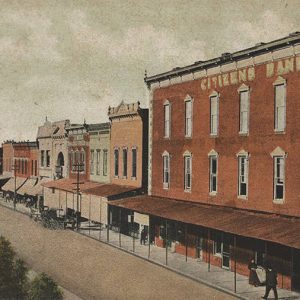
[(72, 59)]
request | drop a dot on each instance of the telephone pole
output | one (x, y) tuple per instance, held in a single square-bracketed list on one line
[(15, 168), (79, 167)]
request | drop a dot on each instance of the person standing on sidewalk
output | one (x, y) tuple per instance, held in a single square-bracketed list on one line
[(271, 281)]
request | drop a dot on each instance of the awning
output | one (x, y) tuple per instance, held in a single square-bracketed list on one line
[(269, 227), (27, 186), (92, 188), (9, 186), (38, 188)]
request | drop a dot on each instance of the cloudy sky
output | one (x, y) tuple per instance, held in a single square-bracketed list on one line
[(71, 59)]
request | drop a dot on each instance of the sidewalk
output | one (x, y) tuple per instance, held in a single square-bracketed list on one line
[(217, 278), (197, 270)]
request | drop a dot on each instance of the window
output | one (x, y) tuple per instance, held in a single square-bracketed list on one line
[(188, 117), (42, 158), (217, 243), (214, 114), (243, 175), (124, 162), (98, 162), (244, 112), (166, 170), (116, 158), (26, 167), (279, 177), (134, 157), (47, 158), (82, 159), (35, 168), (187, 172), (92, 162), (167, 115), (280, 103), (32, 167), (213, 169), (104, 162)]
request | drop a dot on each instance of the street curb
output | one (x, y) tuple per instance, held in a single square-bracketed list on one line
[(207, 283)]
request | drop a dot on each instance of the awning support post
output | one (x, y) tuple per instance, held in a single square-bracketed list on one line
[(133, 242), (149, 239), (120, 221), (186, 242), (100, 224), (166, 242), (90, 214), (292, 267), (234, 251), (208, 248), (108, 222)]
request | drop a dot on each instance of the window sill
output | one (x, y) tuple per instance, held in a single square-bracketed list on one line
[(276, 131), (133, 178), (166, 187), (278, 201), (116, 176), (242, 197), (188, 137), (188, 191), (167, 137), (213, 194), (213, 135), (243, 133), (124, 177)]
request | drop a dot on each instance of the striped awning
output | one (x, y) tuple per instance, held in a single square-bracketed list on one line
[(27, 186), (10, 185)]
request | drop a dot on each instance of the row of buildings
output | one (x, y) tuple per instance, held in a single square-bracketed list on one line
[(211, 171)]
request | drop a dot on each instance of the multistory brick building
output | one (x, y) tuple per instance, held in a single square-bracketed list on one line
[(223, 159), (8, 155), (128, 144), (1, 160), (78, 151)]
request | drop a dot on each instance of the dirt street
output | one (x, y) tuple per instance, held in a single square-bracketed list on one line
[(93, 270)]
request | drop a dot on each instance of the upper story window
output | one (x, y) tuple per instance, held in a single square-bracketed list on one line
[(243, 166), (42, 158), (244, 109), (187, 171), (125, 162), (104, 161), (47, 158), (167, 119), (134, 162), (116, 160), (214, 113), (166, 170), (213, 172), (188, 116), (98, 161), (280, 104), (92, 161), (279, 157)]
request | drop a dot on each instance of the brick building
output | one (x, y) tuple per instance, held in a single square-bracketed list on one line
[(8, 155), (223, 159)]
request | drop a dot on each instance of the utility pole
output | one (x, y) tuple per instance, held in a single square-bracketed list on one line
[(15, 168), (79, 168)]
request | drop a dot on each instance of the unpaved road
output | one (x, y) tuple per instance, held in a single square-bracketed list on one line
[(93, 270)]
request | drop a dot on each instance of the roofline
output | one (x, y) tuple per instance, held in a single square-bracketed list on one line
[(261, 48)]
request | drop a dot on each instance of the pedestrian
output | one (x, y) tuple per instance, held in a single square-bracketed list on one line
[(142, 240), (253, 279), (271, 281)]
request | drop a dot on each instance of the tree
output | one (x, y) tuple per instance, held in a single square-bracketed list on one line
[(13, 272), (44, 288)]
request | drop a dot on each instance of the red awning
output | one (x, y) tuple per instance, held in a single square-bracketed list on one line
[(89, 187), (269, 227)]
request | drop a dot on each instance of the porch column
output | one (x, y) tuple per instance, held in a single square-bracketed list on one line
[(166, 242), (149, 234), (234, 253), (208, 247), (186, 242), (120, 221)]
